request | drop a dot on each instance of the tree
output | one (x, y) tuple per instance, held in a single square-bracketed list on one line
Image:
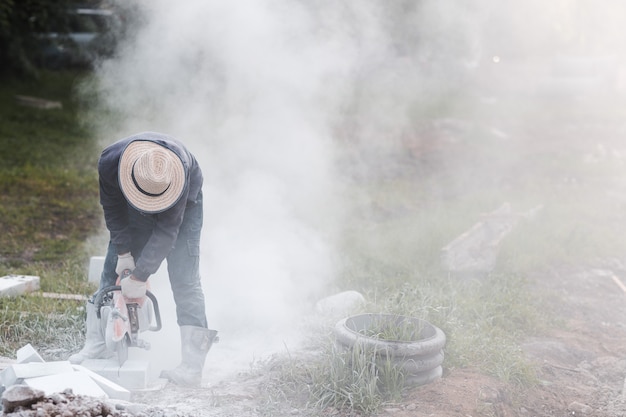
[(20, 22)]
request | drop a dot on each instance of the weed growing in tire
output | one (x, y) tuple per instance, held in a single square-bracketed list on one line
[(401, 330), (352, 379)]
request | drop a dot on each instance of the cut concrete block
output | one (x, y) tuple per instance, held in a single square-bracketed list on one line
[(96, 265), (112, 389), (80, 383), (13, 285), (27, 354), (21, 371), (133, 375)]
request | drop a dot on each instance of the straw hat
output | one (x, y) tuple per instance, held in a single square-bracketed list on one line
[(151, 176)]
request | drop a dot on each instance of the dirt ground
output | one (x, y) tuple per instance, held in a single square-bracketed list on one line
[(581, 366)]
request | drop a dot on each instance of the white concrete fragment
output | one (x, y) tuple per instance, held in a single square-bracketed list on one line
[(96, 265), (80, 383), (112, 389), (27, 354), (132, 375), (13, 285), (20, 371)]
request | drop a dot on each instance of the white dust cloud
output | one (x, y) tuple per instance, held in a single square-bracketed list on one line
[(245, 88), (271, 94)]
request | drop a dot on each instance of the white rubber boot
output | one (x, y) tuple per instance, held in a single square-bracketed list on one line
[(95, 346), (195, 344)]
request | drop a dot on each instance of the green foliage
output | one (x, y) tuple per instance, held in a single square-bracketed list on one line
[(20, 21)]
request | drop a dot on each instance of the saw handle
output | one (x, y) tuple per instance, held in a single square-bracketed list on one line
[(97, 302)]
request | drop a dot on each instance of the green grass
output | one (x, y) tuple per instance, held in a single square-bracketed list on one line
[(389, 247), (51, 326), (44, 138), (484, 321), (48, 209)]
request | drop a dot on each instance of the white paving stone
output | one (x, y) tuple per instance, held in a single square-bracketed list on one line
[(132, 375), (20, 371), (96, 265), (79, 382), (13, 285), (27, 354), (105, 378), (112, 389)]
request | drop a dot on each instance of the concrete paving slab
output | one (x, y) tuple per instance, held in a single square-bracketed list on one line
[(112, 389), (14, 285), (27, 354), (133, 375), (96, 265), (79, 382), (20, 371)]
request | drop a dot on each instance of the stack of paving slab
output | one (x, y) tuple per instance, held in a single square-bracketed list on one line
[(51, 377), (110, 378), (14, 285)]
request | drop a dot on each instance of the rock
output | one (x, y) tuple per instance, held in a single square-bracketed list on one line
[(20, 396), (579, 408), (341, 303), (131, 408), (488, 394)]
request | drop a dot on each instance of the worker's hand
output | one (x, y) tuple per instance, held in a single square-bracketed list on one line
[(133, 288), (124, 261)]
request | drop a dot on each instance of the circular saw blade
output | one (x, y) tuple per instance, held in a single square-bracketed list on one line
[(122, 350), (120, 347)]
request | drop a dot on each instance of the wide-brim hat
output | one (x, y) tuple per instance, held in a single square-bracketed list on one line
[(152, 177)]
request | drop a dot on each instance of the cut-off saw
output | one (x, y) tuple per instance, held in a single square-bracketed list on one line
[(126, 318)]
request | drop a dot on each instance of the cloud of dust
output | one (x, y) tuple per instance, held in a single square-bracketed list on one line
[(270, 94), (251, 90)]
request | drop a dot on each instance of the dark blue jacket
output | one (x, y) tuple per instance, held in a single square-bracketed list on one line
[(116, 208)]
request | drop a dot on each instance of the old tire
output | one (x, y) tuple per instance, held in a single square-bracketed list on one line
[(417, 352)]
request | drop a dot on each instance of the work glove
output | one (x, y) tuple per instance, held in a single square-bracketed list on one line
[(125, 262), (132, 288)]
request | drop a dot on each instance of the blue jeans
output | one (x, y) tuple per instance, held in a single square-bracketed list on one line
[(183, 262)]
